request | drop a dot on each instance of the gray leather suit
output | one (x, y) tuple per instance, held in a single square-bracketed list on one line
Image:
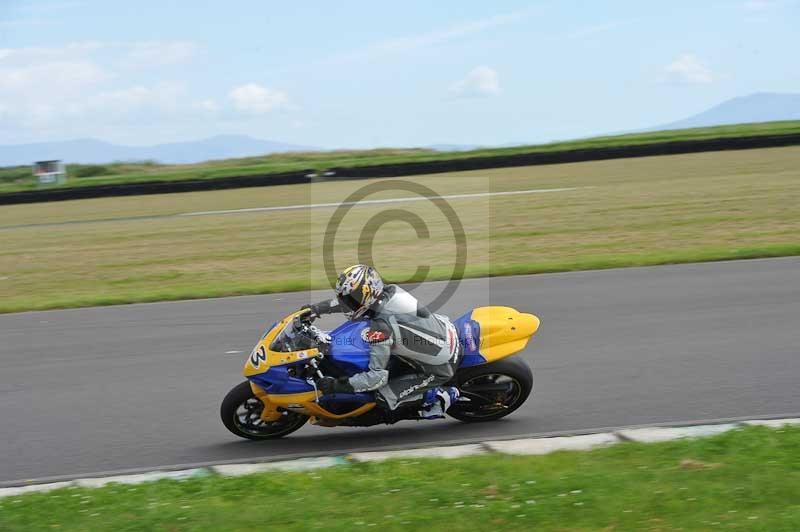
[(401, 327)]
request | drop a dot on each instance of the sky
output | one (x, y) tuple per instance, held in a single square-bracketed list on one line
[(355, 74)]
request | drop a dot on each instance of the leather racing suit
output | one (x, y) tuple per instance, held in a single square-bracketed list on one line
[(399, 326)]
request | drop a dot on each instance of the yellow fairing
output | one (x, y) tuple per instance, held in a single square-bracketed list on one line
[(270, 412), (300, 402), (305, 402), (504, 331), (262, 358)]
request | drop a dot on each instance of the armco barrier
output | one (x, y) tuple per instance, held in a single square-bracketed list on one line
[(155, 187), (405, 169), (567, 156)]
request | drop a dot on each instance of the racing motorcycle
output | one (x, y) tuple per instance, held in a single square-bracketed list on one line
[(280, 394)]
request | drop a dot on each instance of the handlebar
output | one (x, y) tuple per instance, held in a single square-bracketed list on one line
[(304, 327)]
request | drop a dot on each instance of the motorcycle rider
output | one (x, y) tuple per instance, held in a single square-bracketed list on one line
[(398, 326)]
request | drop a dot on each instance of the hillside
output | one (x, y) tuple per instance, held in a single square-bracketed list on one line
[(758, 107), (92, 151)]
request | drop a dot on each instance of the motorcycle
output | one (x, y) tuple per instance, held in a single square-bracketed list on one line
[(280, 394)]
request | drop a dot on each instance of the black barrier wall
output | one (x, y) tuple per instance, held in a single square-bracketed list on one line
[(405, 169), (568, 156), (155, 187)]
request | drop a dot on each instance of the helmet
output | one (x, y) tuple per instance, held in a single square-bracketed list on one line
[(357, 288)]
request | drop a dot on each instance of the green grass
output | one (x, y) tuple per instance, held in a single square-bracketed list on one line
[(747, 479), (166, 292), (19, 178), (631, 212)]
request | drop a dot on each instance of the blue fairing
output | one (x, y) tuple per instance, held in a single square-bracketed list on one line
[(364, 397), (277, 380), (469, 334), (348, 350)]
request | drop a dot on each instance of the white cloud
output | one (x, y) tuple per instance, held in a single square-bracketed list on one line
[(209, 105), (127, 105), (26, 23), (38, 14), (94, 88), (75, 51), (160, 53), (588, 31), (89, 81), (55, 77), (447, 34), (431, 38), (481, 81), (254, 98), (687, 69), (138, 53), (49, 7), (39, 83), (764, 7), (759, 5), (162, 96)]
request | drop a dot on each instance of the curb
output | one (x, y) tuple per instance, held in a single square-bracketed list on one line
[(523, 446)]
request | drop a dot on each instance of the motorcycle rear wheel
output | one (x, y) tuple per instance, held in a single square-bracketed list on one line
[(494, 390), (241, 414)]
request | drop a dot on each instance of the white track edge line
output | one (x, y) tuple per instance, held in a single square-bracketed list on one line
[(379, 201)]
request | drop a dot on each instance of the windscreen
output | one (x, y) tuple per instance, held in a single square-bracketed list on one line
[(290, 340)]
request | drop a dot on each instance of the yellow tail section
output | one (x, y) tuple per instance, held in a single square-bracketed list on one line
[(504, 331)]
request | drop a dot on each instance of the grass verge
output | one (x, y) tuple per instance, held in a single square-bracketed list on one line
[(747, 479), (167, 293), (645, 211), (18, 178)]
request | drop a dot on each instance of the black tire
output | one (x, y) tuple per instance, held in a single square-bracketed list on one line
[(241, 411), (512, 375)]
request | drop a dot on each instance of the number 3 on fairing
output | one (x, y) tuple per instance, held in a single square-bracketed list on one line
[(258, 356)]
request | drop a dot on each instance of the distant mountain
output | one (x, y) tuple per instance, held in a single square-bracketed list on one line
[(91, 151), (758, 107)]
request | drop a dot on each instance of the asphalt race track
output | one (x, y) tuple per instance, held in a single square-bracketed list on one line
[(106, 389)]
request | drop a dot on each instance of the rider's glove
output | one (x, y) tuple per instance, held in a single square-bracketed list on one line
[(318, 309), (329, 385), (310, 311)]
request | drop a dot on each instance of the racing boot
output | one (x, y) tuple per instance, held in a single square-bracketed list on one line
[(436, 401)]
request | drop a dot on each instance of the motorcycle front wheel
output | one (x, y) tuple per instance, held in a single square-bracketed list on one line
[(492, 391), (241, 414)]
